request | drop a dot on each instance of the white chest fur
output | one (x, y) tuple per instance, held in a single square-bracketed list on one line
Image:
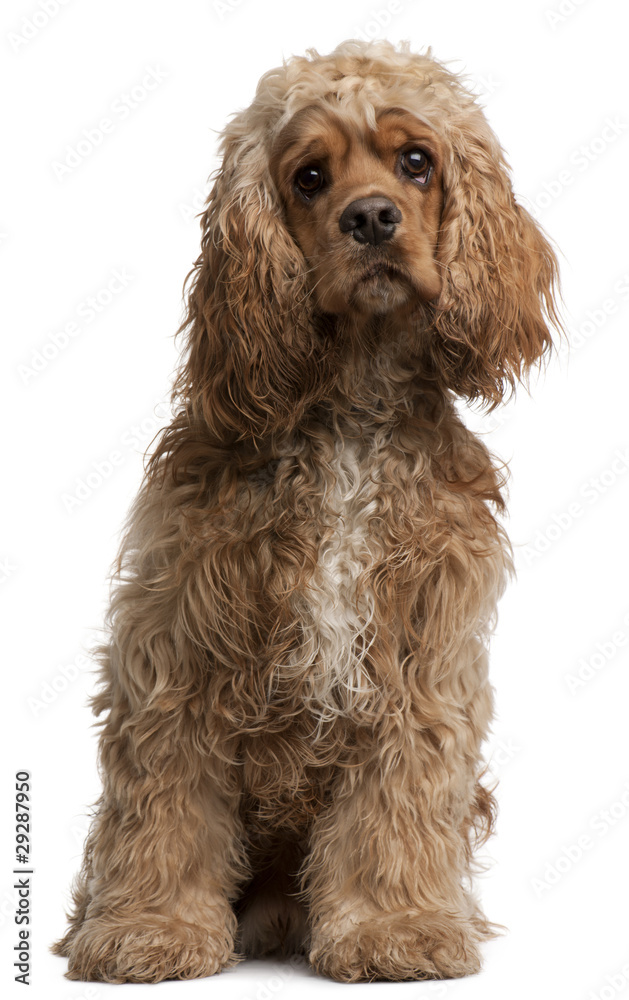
[(337, 608)]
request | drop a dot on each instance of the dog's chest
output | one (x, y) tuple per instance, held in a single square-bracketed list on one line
[(333, 606), (323, 681)]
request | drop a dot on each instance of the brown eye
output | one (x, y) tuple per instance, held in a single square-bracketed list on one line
[(417, 165), (309, 180)]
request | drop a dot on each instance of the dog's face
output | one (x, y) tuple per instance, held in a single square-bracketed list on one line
[(364, 206)]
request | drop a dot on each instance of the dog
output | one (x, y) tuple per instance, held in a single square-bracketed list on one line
[(294, 692)]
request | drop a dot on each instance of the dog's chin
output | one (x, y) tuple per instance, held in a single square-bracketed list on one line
[(379, 290)]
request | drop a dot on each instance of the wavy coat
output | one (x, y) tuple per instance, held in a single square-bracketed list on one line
[(294, 693)]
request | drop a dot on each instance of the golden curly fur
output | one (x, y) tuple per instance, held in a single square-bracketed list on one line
[(295, 690)]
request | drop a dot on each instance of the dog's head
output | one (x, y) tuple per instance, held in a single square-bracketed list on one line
[(362, 184)]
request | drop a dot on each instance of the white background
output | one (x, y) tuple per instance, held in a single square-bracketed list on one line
[(554, 86)]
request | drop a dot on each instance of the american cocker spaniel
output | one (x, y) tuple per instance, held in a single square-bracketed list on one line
[(295, 689)]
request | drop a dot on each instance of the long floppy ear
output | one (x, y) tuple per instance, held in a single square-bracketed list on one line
[(255, 357), (499, 272)]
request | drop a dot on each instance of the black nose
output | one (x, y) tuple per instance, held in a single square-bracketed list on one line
[(370, 220)]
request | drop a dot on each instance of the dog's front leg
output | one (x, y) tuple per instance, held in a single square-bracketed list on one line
[(161, 862), (386, 877)]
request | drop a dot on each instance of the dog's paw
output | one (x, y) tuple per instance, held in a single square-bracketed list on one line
[(397, 948), (149, 950)]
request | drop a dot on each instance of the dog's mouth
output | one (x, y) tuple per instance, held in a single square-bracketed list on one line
[(380, 269)]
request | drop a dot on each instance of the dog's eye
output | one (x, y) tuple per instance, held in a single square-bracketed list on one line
[(309, 180), (417, 165)]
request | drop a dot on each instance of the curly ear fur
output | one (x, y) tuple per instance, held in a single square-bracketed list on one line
[(255, 357), (499, 272)]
